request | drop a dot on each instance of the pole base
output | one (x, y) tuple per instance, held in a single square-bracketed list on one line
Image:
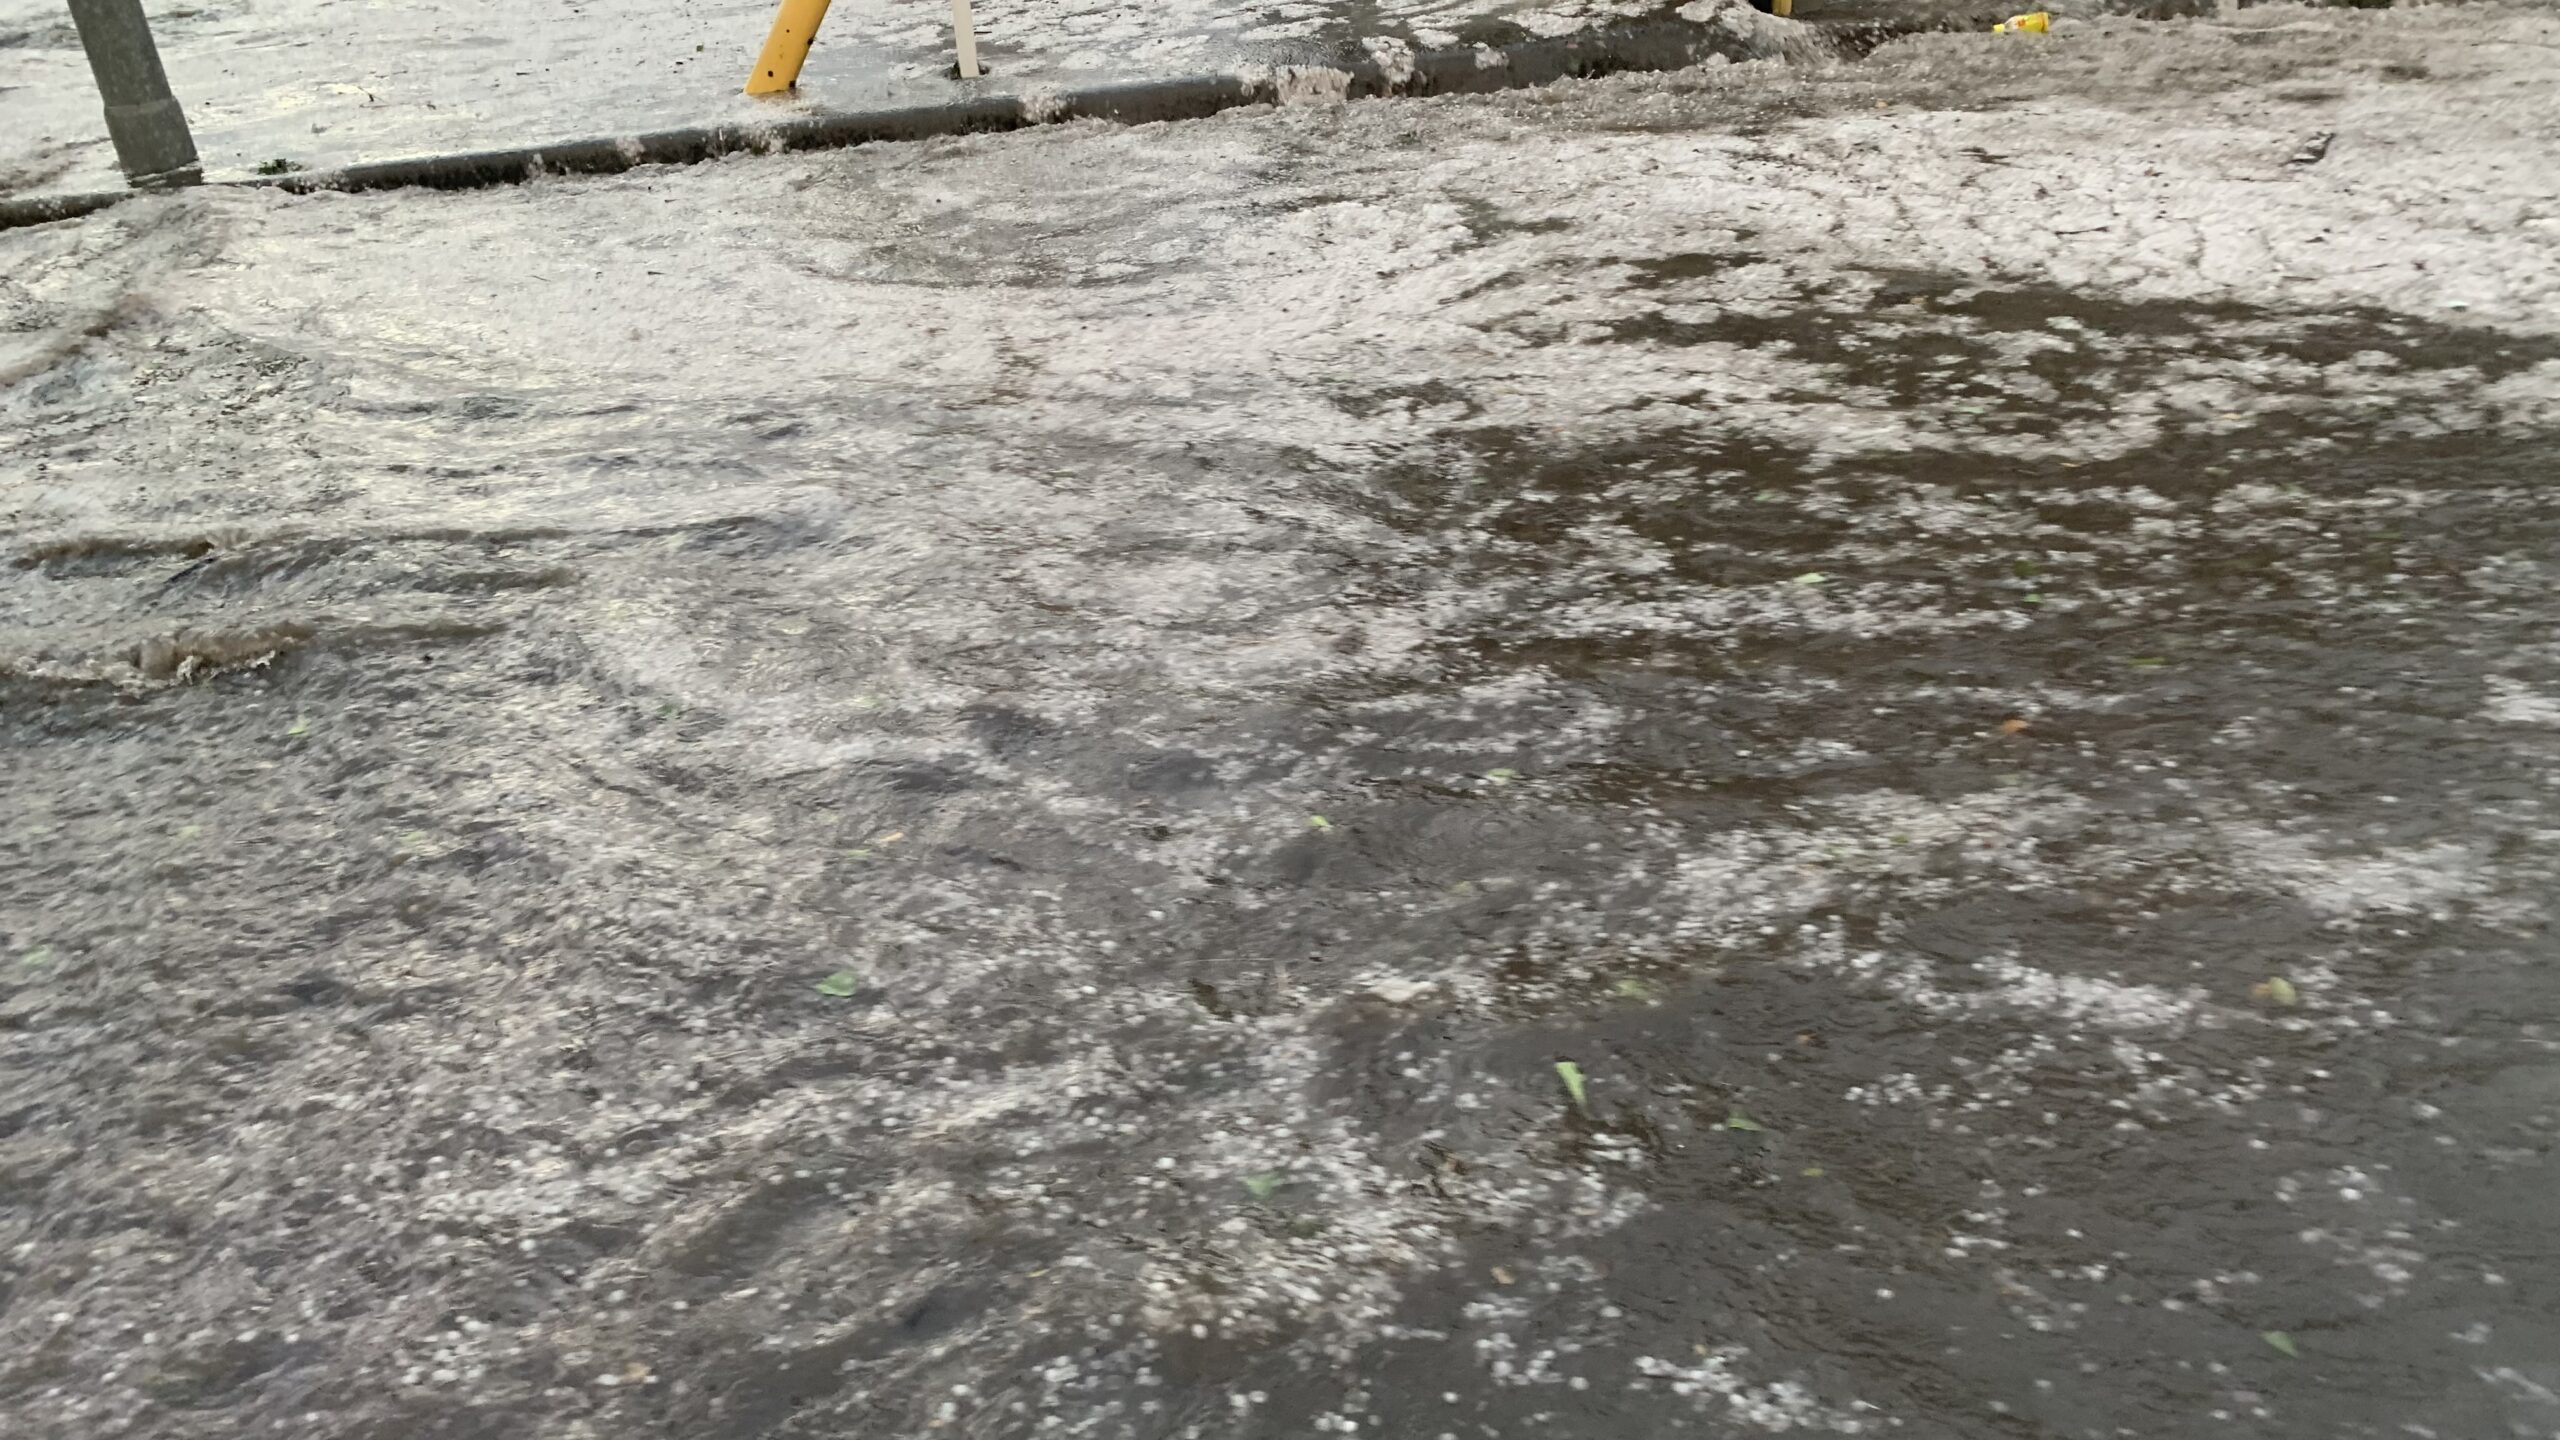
[(152, 142)]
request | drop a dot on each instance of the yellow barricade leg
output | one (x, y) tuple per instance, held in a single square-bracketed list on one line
[(786, 49)]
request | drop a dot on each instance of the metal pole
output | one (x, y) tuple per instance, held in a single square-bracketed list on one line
[(150, 130), (965, 36)]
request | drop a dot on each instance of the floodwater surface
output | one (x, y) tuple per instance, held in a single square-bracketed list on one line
[(1514, 768)]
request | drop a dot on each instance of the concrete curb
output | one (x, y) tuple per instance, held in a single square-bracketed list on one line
[(1663, 43)]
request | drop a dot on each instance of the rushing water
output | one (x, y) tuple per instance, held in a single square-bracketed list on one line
[(976, 789)]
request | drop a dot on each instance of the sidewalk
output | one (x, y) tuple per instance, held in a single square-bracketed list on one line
[(320, 84)]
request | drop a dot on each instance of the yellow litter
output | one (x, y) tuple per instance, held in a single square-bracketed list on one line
[(2037, 23)]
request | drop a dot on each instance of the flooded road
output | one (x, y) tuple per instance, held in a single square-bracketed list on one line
[(1861, 751)]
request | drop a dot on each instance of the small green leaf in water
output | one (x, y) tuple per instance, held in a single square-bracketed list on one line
[(858, 853), (2277, 990), (40, 955), (2146, 662), (1739, 1121), (1631, 988), (1262, 1186), (839, 985), (1318, 822), (2282, 1343), (189, 832), (1502, 777), (2032, 598), (1571, 1075), (301, 726), (2022, 568), (1813, 577), (1813, 1172)]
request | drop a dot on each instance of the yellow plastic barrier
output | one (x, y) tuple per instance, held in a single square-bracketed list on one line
[(786, 49)]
